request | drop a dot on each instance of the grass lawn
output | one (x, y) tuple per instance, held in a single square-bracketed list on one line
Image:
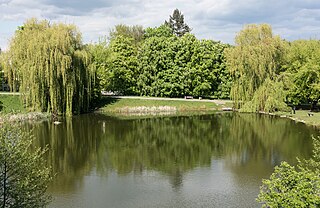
[(11, 104), (115, 105), (305, 116)]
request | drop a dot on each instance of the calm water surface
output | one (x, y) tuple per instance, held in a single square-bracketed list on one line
[(215, 160)]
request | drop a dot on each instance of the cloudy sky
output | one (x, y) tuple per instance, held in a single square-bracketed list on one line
[(211, 19)]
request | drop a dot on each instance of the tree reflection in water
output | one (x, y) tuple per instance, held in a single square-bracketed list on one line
[(172, 146)]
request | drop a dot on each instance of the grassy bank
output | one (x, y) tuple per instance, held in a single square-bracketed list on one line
[(12, 110), (304, 116), (114, 105), (11, 104)]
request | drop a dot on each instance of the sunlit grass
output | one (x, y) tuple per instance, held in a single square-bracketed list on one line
[(310, 118), (114, 105), (11, 104)]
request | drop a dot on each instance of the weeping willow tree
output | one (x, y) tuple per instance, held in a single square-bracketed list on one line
[(255, 64), (51, 68)]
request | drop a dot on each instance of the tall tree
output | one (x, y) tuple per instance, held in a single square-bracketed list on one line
[(173, 67), (136, 32), (24, 177), (100, 54), (255, 63), (177, 24), (51, 66), (121, 71), (303, 71)]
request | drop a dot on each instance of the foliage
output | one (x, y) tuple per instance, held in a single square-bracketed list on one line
[(173, 67), (303, 71), (254, 62), (99, 52), (121, 71), (177, 25), (161, 31), (23, 176), (268, 97), (312, 164), (162, 65), (294, 187), (135, 32), (51, 67)]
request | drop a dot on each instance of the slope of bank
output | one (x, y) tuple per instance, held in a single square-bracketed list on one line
[(135, 105), (13, 110), (303, 116)]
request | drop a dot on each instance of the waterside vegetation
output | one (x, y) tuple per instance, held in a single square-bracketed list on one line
[(63, 76), (153, 105), (58, 74)]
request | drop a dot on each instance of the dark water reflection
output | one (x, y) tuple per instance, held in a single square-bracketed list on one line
[(213, 160)]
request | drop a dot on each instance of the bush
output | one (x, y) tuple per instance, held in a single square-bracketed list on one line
[(291, 186), (23, 175)]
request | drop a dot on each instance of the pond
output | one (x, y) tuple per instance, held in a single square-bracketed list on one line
[(214, 160)]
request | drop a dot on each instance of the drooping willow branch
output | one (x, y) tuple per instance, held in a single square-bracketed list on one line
[(49, 65)]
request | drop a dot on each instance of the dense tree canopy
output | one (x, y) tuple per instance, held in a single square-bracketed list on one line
[(162, 65), (122, 64), (24, 177), (51, 67), (173, 67), (303, 71), (57, 73), (255, 63)]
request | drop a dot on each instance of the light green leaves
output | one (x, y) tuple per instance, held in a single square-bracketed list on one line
[(256, 58), (289, 186), (50, 66), (23, 175)]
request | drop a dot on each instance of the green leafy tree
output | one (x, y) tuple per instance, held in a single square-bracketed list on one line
[(208, 70), (50, 65), (155, 58), (303, 71), (291, 186), (174, 67), (121, 73), (23, 175), (136, 32), (100, 53), (163, 30), (255, 64), (177, 24)]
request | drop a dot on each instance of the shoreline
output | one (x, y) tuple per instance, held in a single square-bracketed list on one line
[(135, 106), (299, 117), (22, 117)]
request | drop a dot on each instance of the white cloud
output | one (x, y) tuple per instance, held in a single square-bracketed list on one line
[(214, 19)]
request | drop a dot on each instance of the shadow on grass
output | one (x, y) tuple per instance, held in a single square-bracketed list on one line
[(105, 101)]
